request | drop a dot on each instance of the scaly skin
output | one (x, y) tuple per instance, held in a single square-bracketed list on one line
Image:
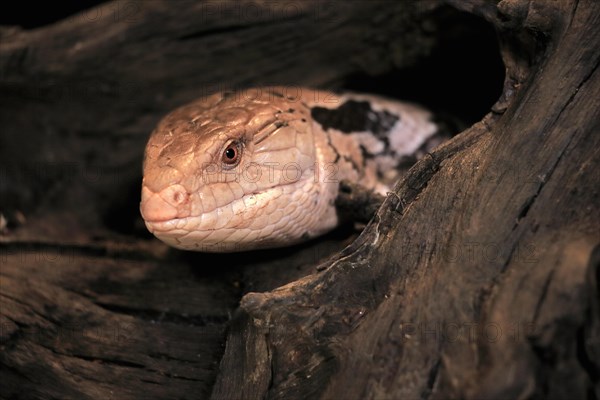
[(261, 168)]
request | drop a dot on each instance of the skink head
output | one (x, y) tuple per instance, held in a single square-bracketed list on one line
[(233, 171)]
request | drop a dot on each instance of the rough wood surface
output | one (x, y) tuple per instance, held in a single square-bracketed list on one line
[(477, 278)]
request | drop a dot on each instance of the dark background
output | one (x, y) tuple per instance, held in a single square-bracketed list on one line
[(462, 77), (34, 14)]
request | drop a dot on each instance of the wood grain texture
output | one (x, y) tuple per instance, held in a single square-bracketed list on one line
[(477, 277)]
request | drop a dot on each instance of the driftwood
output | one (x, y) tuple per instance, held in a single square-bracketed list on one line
[(477, 277)]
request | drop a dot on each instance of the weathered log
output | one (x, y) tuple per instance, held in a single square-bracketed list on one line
[(477, 277)]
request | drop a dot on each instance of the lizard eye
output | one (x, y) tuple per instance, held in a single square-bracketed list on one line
[(232, 154)]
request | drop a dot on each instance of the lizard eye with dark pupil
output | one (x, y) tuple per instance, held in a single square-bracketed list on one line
[(231, 154)]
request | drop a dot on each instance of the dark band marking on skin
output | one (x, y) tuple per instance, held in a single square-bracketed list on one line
[(337, 153), (366, 155), (355, 116), (354, 164)]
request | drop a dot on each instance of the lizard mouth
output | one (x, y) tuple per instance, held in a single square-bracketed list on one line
[(266, 218), (234, 215)]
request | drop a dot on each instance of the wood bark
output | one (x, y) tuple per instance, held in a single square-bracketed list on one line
[(476, 278)]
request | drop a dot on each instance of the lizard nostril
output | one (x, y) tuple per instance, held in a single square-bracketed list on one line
[(178, 196)]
